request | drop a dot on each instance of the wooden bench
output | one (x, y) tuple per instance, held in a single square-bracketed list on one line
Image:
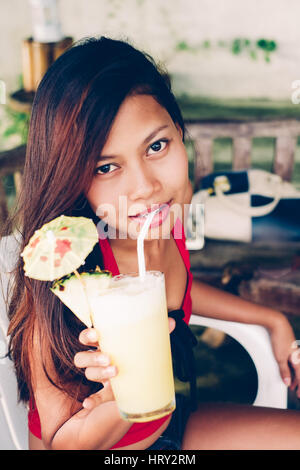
[(256, 271), (203, 134)]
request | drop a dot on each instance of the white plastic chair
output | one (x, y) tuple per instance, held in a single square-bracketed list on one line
[(13, 416), (271, 391)]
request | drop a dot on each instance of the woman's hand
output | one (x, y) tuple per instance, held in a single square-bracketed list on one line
[(98, 367), (286, 352)]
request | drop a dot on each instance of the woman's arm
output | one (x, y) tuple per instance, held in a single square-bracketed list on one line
[(209, 301), (212, 302), (65, 423), (96, 429)]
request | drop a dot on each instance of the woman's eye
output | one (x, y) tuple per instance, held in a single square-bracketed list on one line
[(158, 146), (104, 169)]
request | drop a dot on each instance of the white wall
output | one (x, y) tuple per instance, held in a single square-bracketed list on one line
[(156, 25)]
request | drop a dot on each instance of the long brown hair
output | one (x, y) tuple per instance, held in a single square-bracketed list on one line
[(73, 111)]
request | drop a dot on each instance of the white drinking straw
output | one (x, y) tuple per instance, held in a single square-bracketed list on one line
[(140, 243)]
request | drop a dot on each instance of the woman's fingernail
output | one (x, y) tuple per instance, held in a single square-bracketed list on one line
[(86, 404), (92, 335), (110, 371), (287, 381), (103, 360)]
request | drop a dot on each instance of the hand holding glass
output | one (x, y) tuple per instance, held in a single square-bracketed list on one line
[(132, 322)]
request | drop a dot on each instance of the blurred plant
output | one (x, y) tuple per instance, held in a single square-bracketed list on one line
[(17, 122), (267, 46), (236, 46), (240, 45)]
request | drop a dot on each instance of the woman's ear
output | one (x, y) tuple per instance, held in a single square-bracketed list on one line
[(179, 129)]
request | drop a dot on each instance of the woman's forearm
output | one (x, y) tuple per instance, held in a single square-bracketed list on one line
[(209, 301), (96, 429)]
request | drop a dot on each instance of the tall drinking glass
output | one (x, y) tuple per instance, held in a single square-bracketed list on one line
[(132, 321)]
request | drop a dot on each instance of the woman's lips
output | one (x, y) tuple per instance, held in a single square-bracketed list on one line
[(158, 219)]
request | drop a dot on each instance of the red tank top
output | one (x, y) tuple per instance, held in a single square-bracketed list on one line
[(138, 431)]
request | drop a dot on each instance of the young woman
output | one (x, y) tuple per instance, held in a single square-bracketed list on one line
[(105, 126)]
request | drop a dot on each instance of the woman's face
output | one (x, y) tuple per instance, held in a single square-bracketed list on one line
[(142, 166)]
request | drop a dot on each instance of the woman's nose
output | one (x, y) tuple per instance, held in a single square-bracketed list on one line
[(143, 184)]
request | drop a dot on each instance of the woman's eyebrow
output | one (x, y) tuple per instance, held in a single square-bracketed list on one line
[(147, 139), (153, 134)]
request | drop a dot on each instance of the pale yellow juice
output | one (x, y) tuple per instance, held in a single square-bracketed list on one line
[(132, 321)]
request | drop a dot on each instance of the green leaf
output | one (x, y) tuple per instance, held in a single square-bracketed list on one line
[(9, 131), (182, 46), (206, 44), (271, 46), (262, 43), (236, 47), (20, 80), (267, 58)]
